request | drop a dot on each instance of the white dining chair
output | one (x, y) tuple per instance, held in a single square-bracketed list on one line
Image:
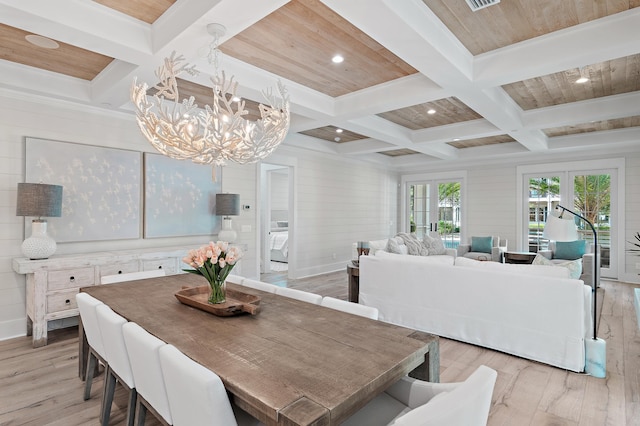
[(142, 348), (304, 296), (119, 369), (411, 402), (197, 396), (350, 307), (140, 275), (259, 285), (87, 308), (234, 279)]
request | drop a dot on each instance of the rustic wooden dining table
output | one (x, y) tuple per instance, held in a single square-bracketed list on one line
[(294, 363)]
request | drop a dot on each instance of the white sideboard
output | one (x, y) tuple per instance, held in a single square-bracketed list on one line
[(53, 283)]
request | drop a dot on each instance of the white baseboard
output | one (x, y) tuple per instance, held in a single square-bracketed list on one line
[(13, 328), (321, 269)]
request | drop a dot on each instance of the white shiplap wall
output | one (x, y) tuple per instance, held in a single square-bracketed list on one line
[(632, 200), (338, 201), (32, 117), (490, 207)]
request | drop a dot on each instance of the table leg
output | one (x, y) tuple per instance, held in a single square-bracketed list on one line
[(429, 370)]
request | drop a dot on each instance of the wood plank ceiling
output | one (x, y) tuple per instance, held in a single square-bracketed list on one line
[(298, 40)]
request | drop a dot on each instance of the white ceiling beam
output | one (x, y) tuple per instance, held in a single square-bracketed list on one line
[(606, 108), (607, 38)]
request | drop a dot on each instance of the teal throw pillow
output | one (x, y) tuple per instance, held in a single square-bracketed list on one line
[(481, 244), (570, 250)]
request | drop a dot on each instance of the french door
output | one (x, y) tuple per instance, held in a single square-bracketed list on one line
[(590, 193), (435, 206)]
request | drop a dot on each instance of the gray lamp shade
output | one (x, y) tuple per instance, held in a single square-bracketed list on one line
[(227, 204), (39, 200)]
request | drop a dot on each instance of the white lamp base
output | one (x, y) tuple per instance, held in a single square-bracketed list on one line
[(39, 245), (596, 357), (227, 233)]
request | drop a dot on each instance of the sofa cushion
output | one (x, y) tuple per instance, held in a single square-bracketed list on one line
[(570, 250), (513, 268), (573, 266), (481, 244)]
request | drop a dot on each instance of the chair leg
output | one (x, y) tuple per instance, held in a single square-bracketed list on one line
[(89, 375), (131, 406), (107, 396), (141, 412)]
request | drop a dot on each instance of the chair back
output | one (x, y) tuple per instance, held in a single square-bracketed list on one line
[(142, 348), (349, 307), (234, 279), (111, 330), (197, 396), (87, 307), (304, 296), (467, 404), (118, 278), (259, 285)]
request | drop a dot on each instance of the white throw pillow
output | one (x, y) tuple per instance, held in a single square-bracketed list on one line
[(574, 266), (434, 244), (396, 245)]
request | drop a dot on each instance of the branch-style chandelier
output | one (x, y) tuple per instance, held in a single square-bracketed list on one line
[(215, 133)]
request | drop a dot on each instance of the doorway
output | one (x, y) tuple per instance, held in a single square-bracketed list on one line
[(276, 219)]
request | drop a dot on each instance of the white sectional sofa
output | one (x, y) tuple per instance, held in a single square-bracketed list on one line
[(531, 311)]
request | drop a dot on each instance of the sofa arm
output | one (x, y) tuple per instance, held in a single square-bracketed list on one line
[(497, 253), (463, 248), (587, 269)]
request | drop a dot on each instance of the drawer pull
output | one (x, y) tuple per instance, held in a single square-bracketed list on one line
[(160, 267), (119, 272), (68, 302), (72, 278)]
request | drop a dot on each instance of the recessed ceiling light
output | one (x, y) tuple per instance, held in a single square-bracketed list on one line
[(582, 80), (338, 130), (431, 111), (337, 139), (40, 41), (456, 139), (236, 99), (337, 59)]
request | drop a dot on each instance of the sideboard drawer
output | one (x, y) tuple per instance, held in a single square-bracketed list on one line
[(119, 268), (62, 301), (60, 280), (169, 265)]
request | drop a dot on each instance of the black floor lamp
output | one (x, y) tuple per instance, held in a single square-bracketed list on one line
[(558, 228)]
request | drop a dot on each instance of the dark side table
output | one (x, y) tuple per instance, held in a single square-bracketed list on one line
[(354, 282), (521, 257)]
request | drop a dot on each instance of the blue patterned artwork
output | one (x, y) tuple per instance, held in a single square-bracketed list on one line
[(101, 189), (179, 197)]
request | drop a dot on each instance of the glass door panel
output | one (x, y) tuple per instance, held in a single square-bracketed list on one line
[(544, 196), (428, 212), (592, 199), (449, 213)]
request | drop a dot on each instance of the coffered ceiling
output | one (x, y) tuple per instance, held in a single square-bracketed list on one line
[(424, 83)]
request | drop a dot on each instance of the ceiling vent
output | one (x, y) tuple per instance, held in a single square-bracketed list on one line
[(481, 4)]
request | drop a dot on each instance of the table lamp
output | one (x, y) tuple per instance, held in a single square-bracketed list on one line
[(227, 205), (39, 200), (559, 228)]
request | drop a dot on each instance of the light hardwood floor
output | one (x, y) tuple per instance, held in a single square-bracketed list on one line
[(40, 386)]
